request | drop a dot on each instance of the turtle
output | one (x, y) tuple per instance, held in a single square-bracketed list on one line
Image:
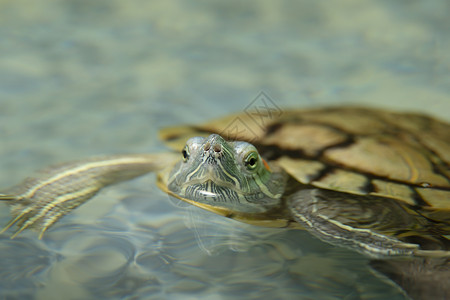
[(372, 180)]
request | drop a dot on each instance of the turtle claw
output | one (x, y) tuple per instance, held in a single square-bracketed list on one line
[(10, 223), (15, 219), (24, 217), (26, 214), (39, 214), (16, 233)]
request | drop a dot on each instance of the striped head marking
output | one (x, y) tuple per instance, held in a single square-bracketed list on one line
[(225, 174)]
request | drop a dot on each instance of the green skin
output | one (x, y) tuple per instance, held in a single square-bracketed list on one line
[(230, 175), (231, 179)]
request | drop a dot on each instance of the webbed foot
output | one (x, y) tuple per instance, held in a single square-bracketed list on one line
[(367, 224), (41, 201)]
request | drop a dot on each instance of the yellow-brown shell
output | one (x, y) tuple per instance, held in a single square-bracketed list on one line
[(404, 156)]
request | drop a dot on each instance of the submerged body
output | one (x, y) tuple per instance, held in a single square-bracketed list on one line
[(372, 180), (375, 181)]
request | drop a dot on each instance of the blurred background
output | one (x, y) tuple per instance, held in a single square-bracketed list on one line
[(80, 78)]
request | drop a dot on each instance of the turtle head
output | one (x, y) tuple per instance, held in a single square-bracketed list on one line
[(228, 175)]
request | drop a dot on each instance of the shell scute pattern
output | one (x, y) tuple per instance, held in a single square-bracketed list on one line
[(404, 156)]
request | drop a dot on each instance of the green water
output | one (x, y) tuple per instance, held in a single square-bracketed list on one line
[(80, 78)]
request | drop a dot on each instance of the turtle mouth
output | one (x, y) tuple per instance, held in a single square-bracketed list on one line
[(211, 186), (210, 189)]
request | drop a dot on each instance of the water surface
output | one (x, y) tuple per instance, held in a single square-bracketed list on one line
[(80, 78)]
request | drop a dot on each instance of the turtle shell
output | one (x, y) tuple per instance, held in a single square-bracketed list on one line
[(404, 156)]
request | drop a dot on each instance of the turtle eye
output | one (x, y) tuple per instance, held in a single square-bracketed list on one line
[(251, 160), (185, 153)]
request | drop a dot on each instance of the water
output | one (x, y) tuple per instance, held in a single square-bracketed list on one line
[(79, 78)]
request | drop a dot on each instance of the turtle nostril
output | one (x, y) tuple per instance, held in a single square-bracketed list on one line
[(207, 146), (217, 148)]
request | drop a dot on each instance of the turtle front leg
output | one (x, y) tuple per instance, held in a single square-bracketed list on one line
[(41, 201), (359, 222)]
